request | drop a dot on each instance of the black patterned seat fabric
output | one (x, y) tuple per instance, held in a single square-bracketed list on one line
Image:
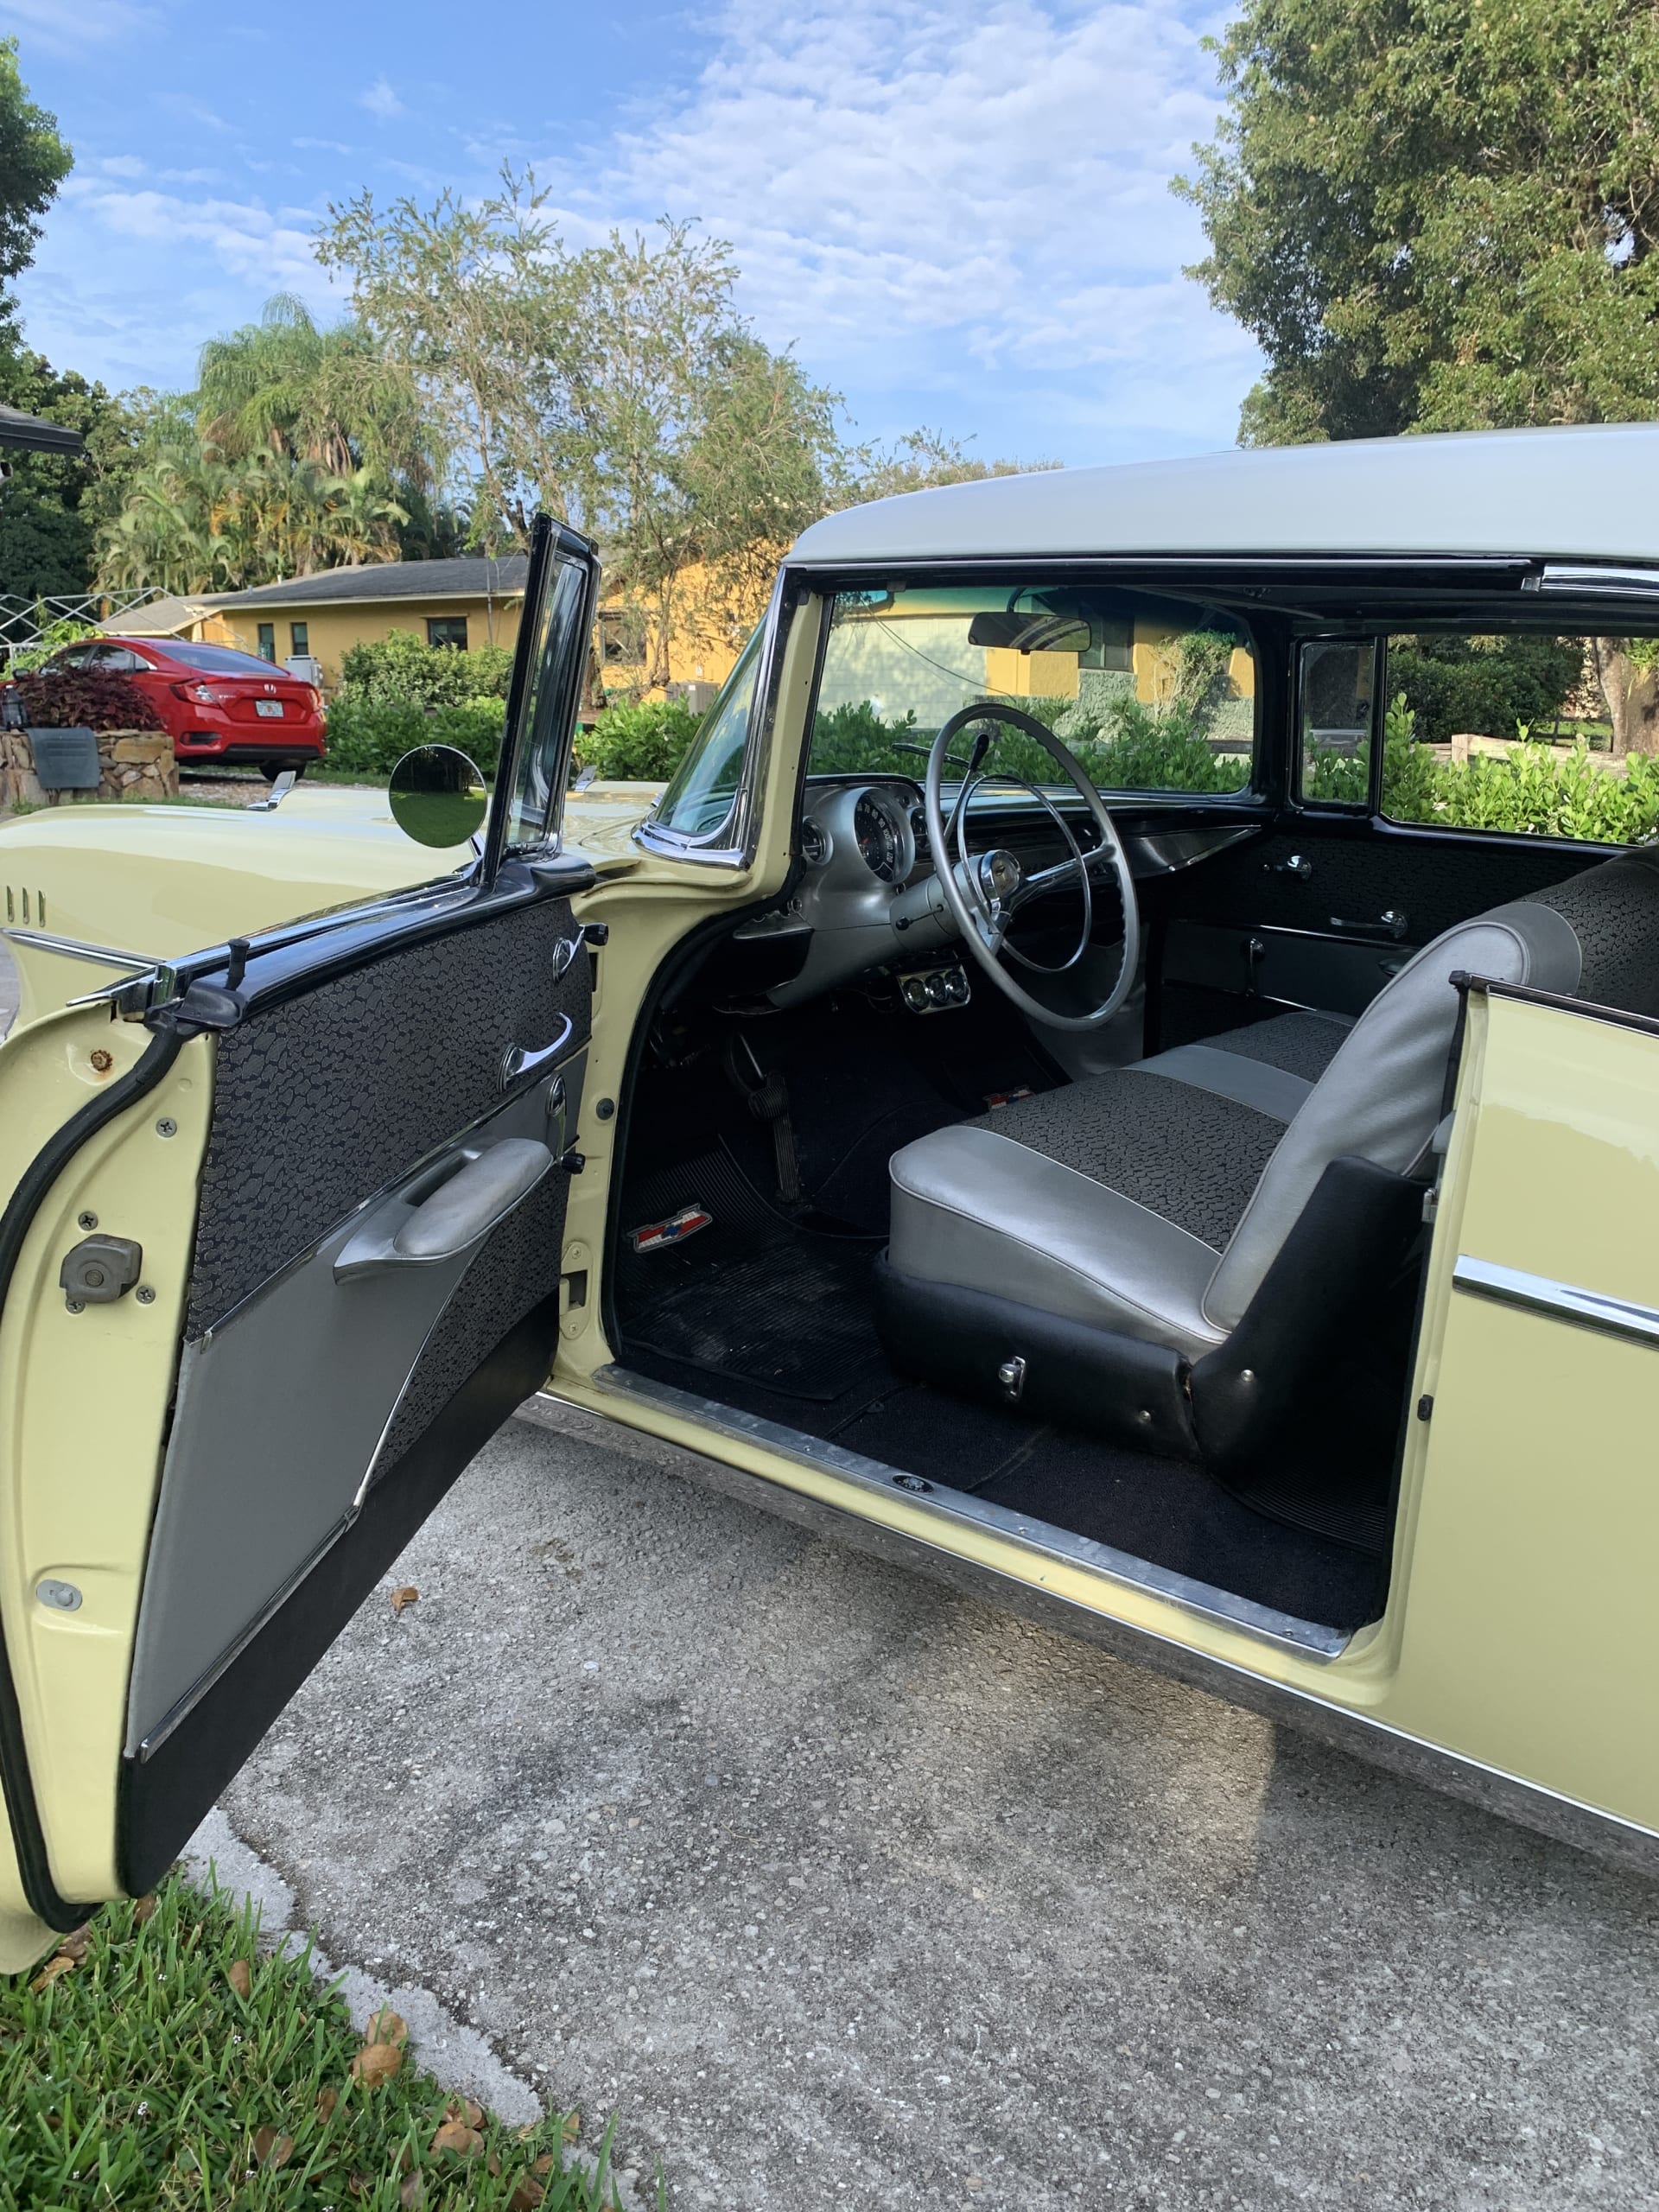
[(1173, 1134), (1150, 1202)]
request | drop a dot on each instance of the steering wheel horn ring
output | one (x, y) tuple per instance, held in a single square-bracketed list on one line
[(982, 908)]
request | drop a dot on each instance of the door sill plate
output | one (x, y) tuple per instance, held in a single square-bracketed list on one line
[(958, 1513)]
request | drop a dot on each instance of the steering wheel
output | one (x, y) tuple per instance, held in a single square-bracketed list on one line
[(984, 892)]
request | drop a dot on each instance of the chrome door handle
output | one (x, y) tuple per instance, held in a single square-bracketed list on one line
[(521, 1060), (1390, 923), (431, 1220)]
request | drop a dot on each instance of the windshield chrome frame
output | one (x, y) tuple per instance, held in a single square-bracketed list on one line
[(731, 842)]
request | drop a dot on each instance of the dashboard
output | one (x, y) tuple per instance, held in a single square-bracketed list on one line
[(863, 841)]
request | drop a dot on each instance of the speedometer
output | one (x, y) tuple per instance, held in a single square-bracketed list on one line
[(878, 837)]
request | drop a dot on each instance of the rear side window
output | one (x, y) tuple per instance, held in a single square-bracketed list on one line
[(218, 660), (1523, 732)]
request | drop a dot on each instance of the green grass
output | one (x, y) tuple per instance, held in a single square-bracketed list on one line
[(140, 2076)]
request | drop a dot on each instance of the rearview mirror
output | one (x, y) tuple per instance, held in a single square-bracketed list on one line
[(1035, 631), (438, 796)]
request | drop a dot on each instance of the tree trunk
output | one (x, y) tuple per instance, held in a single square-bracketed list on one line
[(1632, 696)]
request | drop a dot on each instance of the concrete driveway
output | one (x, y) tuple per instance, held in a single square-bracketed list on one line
[(841, 1890)]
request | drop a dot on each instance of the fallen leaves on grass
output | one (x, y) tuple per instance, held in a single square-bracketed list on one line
[(327, 2100), (384, 2043), (270, 2149), (49, 1973), (455, 2135), (406, 1596), (143, 1909), (527, 2194), (239, 1975)]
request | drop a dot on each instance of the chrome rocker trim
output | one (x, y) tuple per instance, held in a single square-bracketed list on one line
[(1510, 1796), (954, 1509), (1561, 1301)]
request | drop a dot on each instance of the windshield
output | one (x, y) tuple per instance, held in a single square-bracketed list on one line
[(705, 785), (218, 660), (1151, 694)]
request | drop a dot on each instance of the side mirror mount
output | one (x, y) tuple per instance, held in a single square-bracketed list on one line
[(438, 797), (279, 791)]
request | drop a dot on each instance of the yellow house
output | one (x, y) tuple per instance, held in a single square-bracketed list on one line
[(467, 602)]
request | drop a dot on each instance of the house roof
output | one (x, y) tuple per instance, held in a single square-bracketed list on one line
[(1570, 494), (163, 616), (34, 434), (473, 576)]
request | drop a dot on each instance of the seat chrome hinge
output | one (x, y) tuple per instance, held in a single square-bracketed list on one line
[(1011, 1376)]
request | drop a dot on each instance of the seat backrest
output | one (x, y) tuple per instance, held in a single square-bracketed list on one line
[(1594, 937)]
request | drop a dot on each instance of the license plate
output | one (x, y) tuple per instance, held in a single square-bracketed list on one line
[(267, 706)]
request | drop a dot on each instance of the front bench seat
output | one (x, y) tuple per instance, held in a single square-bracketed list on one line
[(1124, 1227)]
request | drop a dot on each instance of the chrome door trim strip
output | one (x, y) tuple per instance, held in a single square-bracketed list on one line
[(1561, 1301), (1548, 1812), (955, 1511), (106, 955)]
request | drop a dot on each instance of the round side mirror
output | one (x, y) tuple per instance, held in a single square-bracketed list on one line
[(438, 796)]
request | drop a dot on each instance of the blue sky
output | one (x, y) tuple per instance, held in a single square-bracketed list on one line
[(958, 213)]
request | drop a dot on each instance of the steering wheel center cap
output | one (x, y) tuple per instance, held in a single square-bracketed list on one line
[(999, 874)]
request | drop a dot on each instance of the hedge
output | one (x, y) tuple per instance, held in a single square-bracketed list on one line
[(643, 744), (371, 736)]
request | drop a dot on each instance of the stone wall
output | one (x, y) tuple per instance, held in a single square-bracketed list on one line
[(132, 763)]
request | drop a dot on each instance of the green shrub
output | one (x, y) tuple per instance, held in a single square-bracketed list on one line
[(54, 636), (638, 744), (399, 671), (1485, 685), (1130, 746), (371, 737)]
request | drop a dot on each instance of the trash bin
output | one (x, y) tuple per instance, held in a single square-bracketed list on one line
[(65, 759)]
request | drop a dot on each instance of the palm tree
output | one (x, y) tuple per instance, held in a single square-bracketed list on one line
[(287, 385)]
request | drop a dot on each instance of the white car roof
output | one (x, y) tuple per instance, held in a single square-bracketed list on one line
[(1589, 492)]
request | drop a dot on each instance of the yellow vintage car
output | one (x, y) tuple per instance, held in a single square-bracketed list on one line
[(1083, 1083)]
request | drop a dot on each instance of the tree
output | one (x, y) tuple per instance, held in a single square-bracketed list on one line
[(614, 386), (916, 462), (1442, 215), (53, 505), (33, 161), (1438, 214), (325, 394)]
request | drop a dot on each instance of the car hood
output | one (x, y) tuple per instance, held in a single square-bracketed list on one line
[(162, 881)]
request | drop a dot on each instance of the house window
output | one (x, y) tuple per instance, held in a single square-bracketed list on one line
[(446, 630), (621, 639), (299, 638), (267, 641)]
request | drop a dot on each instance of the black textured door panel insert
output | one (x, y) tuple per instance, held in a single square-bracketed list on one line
[(323, 1100)]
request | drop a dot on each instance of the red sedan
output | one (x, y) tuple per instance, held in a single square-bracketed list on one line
[(218, 705)]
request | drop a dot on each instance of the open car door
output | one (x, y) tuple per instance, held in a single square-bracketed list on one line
[(280, 1249)]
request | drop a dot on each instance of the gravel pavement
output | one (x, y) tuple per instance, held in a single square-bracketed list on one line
[(841, 1890)]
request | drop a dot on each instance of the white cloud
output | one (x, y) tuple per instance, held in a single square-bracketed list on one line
[(245, 238), (381, 100), (124, 165), (59, 28), (939, 198)]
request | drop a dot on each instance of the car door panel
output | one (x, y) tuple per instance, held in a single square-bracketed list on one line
[(375, 1081), (1299, 912), (1529, 1639), (341, 1153)]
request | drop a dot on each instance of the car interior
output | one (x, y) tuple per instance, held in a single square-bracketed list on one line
[(1087, 1177)]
